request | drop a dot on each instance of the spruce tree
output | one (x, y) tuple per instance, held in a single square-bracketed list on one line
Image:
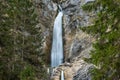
[(20, 41), (106, 53)]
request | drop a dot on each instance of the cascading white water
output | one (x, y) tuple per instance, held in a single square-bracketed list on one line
[(62, 75), (57, 44)]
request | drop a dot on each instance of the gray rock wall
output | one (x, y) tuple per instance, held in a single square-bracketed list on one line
[(74, 18)]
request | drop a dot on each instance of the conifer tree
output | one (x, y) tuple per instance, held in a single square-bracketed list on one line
[(106, 53), (20, 41)]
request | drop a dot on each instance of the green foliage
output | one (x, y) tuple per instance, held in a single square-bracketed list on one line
[(27, 73), (106, 53), (89, 6), (20, 41)]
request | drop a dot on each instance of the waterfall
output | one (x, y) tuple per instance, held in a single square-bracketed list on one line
[(62, 75), (57, 44)]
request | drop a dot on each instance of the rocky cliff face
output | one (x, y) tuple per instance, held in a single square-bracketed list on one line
[(46, 11), (77, 44)]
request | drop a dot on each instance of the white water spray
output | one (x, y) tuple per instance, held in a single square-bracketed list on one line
[(62, 75), (57, 44)]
